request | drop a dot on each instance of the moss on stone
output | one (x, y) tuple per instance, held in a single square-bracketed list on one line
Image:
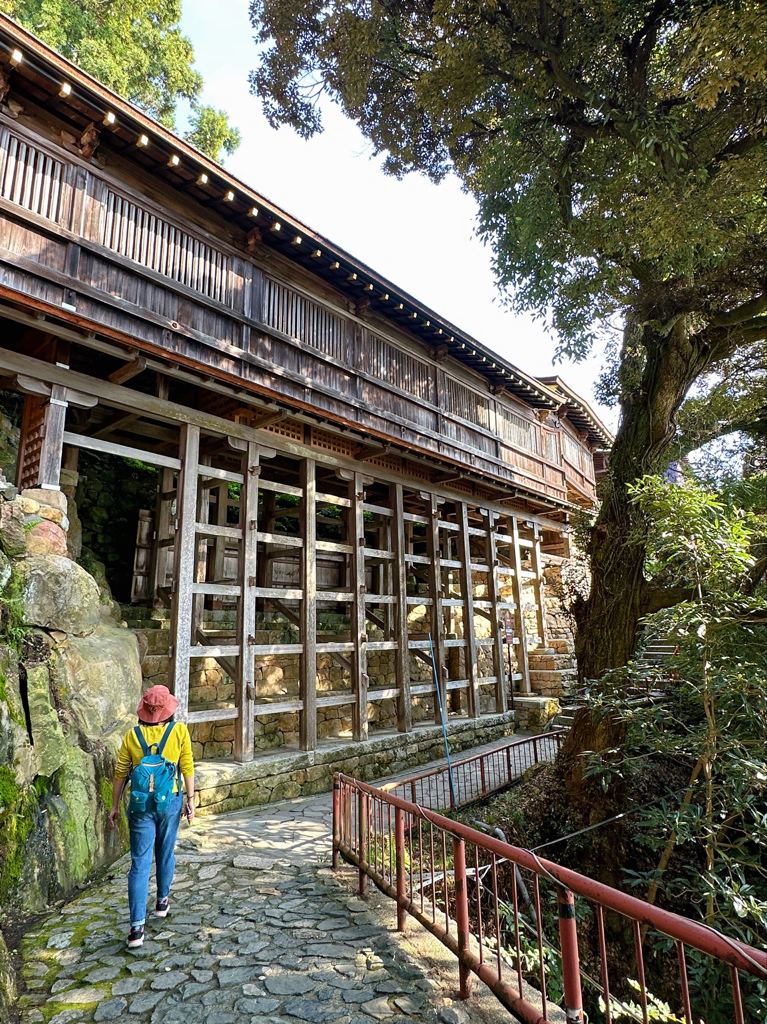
[(16, 826), (9, 790), (12, 710)]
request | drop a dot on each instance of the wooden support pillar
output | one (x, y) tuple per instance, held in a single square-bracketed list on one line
[(52, 449), (521, 631), (245, 684), (358, 621), (467, 590), (219, 543), (499, 663), (435, 593), (163, 522), (402, 666), (183, 569), (201, 556), (308, 681), (540, 589)]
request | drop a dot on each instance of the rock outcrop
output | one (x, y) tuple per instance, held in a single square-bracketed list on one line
[(70, 680)]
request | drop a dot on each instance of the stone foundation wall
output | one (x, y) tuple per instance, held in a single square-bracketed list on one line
[(230, 786)]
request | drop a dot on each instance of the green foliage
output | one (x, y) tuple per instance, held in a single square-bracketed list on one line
[(211, 132), (13, 630), (135, 47), (710, 719), (603, 143)]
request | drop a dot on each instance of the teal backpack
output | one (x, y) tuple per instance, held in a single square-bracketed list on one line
[(151, 786)]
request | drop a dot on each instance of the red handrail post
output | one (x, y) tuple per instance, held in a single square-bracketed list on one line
[(571, 972), (362, 823), (482, 775), (461, 913), (535, 749), (399, 846), (336, 818)]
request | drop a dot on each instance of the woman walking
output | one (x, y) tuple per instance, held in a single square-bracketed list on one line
[(156, 752)]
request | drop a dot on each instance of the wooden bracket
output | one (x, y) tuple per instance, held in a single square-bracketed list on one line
[(369, 451), (89, 141), (266, 419), (130, 370)]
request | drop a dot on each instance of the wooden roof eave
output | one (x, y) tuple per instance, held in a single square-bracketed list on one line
[(89, 100)]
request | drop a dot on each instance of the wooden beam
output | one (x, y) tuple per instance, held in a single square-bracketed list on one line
[(369, 451), (523, 665), (402, 663), (435, 591), (183, 569), (98, 444), (494, 596), (467, 588), (52, 448), (245, 693), (539, 585), (267, 419), (127, 372), (356, 534), (308, 672)]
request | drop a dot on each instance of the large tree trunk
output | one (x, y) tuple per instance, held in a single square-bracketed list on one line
[(659, 363)]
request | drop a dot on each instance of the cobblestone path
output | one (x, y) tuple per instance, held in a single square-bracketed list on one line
[(260, 931)]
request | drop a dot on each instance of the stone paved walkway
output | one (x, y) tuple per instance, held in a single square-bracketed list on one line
[(261, 931)]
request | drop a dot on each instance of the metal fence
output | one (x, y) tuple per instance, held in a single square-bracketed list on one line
[(517, 920), (477, 776)]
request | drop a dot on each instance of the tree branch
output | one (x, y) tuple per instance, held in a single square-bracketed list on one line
[(741, 314), (656, 598)]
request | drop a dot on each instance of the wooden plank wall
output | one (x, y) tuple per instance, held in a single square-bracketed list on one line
[(74, 235)]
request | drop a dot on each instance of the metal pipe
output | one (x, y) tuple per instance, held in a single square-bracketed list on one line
[(691, 933)]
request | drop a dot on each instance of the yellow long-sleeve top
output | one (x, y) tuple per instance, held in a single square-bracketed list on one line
[(178, 749)]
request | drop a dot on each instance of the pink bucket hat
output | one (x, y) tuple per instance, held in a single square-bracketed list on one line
[(157, 704)]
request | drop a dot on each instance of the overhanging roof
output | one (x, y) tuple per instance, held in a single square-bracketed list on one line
[(79, 99)]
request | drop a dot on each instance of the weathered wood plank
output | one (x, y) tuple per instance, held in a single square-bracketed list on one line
[(245, 693), (183, 568), (402, 662), (467, 589), (308, 670), (356, 535), (539, 585), (97, 444), (52, 449), (497, 633), (523, 664), (435, 590)]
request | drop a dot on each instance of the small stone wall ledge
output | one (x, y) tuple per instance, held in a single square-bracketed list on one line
[(228, 786)]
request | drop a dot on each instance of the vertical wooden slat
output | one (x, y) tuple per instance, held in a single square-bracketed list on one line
[(358, 620), (163, 522), (499, 665), (183, 569), (308, 682), (521, 631), (540, 590), (245, 693), (467, 589), (52, 449), (402, 665), (435, 593)]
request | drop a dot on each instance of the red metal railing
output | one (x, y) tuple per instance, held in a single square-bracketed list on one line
[(488, 901), (477, 776)]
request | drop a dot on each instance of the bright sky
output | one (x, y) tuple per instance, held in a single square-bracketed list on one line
[(334, 185)]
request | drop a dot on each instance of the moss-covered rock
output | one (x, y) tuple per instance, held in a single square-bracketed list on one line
[(60, 594), (47, 734)]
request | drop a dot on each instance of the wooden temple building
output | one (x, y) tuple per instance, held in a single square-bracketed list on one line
[(348, 476)]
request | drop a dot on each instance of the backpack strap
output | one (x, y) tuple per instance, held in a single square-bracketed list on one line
[(142, 742), (165, 737)]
